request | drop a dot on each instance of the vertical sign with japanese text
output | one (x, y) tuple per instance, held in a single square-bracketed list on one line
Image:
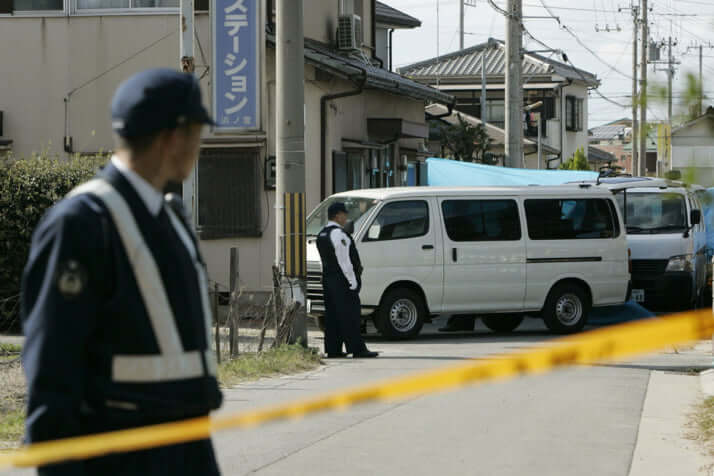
[(236, 64)]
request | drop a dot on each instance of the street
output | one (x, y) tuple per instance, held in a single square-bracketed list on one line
[(575, 421)]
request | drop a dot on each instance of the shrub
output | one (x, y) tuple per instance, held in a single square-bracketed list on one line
[(28, 187)]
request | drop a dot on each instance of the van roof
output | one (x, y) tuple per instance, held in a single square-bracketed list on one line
[(643, 184), (398, 192)]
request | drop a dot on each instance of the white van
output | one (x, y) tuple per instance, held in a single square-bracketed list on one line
[(496, 252), (667, 239)]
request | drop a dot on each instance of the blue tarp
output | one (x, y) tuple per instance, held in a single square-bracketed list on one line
[(445, 172), (608, 315), (708, 218)]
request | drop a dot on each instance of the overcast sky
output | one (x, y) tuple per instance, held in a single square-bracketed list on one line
[(582, 17)]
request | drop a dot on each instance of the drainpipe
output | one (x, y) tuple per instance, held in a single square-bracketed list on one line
[(391, 65), (323, 127)]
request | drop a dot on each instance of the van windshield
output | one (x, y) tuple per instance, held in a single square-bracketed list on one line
[(357, 210), (652, 212)]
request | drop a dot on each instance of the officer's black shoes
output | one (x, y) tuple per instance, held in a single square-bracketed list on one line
[(340, 355), (365, 354)]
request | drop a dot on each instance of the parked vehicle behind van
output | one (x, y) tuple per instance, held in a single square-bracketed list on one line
[(667, 238), (496, 252)]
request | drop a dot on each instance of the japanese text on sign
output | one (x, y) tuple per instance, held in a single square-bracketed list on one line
[(236, 70)]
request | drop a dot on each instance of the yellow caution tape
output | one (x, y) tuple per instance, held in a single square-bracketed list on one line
[(604, 344)]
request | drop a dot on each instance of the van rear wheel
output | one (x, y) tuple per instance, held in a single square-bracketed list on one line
[(401, 314), (503, 322), (566, 308)]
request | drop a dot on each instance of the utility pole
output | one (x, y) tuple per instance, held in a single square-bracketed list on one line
[(670, 74), (290, 160), (701, 84), (461, 24), (635, 164), (643, 92), (514, 88), (483, 83), (186, 63)]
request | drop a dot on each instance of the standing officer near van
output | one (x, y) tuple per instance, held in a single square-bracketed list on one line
[(341, 280), (114, 301)]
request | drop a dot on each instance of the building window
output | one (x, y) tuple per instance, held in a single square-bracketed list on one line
[(496, 112), (228, 193), (573, 113), (125, 4), (8, 6)]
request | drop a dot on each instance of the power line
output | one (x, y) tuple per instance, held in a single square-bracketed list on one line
[(580, 42)]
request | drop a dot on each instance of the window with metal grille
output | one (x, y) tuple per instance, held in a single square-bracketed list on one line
[(228, 193), (574, 113)]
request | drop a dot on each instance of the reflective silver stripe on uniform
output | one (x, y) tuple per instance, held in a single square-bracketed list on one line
[(202, 283), (173, 363), (158, 368)]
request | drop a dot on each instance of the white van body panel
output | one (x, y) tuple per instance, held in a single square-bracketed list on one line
[(488, 276)]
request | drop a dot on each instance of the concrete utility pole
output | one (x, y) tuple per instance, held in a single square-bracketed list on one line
[(701, 84), (186, 63), (643, 92), (483, 84), (635, 122), (290, 160), (461, 24), (670, 75), (514, 88)]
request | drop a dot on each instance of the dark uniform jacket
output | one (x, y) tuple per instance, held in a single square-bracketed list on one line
[(331, 268), (95, 360)]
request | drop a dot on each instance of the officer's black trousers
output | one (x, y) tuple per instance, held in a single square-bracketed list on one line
[(190, 459), (342, 318)]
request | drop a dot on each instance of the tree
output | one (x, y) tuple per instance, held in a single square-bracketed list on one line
[(577, 162), (466, 142)]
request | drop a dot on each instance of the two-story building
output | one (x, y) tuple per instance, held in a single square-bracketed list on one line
[(611, 138), (61, 60), (562, 88)]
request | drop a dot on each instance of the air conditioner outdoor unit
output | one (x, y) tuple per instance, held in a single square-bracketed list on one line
[(349, 32)]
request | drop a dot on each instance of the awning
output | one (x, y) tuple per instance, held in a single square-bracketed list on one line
[(392, 129), (358, 144), (496, 134)]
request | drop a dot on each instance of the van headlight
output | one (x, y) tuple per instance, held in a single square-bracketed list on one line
[(680, 263)]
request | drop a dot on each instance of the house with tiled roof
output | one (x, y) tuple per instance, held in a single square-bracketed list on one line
[(561, 87)]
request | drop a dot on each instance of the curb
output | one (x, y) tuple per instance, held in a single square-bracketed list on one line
[(706, 382)]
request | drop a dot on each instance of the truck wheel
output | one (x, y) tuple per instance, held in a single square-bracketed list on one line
[(566, 308), (503, 322), (401, 314)]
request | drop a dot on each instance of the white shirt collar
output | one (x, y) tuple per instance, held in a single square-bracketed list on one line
[(152, 198), (333, 223)]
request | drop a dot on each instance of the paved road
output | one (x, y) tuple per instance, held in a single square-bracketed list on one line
[(581, 421), (577, 421)]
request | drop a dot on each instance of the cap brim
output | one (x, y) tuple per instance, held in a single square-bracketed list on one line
[(205, 118)]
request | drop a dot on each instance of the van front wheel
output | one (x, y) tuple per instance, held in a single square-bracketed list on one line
[(401, 314), (566, 309)]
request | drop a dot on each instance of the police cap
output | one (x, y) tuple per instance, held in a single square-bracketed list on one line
[(336, 208), (157, 99)]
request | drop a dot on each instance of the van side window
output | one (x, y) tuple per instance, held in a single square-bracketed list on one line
[(568, 219), (482, 220), (400, 220)]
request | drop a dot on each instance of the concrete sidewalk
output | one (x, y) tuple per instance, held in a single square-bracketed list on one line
[(662, 445)]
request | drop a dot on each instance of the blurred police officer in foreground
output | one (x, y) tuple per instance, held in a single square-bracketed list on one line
[(341, 280), (114, 302)]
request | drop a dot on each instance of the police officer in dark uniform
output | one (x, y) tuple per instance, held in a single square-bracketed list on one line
[(341, 281), (114, 301)]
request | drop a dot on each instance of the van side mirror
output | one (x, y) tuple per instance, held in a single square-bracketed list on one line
[(695, 217)]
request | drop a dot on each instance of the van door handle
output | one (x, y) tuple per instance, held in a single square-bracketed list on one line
[(453, 254), (427, 247)]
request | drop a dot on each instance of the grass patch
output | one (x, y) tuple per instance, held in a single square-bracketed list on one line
[(10, 348), (287, 359), (12, 404)]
